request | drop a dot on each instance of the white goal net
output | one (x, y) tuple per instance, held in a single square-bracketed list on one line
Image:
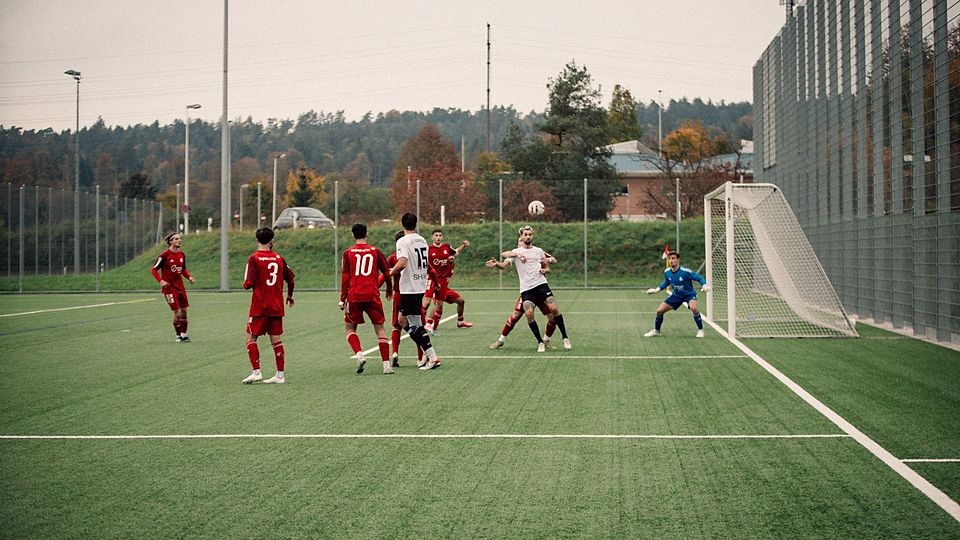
[(766, 279)]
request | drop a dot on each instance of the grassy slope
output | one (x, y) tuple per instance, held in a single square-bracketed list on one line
[(620, 254)]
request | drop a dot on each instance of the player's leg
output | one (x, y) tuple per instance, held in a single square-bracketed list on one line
[(410, 306), (427, 300), (254, 330), (183, 304), (275, 330), (353, 340), (377, 318), (395, 330), (528, 306), (551, 303), (508, 327), (692, 304), (661, 309), (453, 297)]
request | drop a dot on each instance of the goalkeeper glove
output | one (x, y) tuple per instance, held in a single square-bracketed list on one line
[(653, 290), (705, 288)]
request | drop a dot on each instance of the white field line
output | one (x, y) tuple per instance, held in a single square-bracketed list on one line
[(931, 460), (570, 357), (403, 336), (931, 491), (418, 436), (75, 307)]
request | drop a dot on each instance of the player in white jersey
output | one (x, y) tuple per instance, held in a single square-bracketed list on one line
[(529, 261), (412, 267)]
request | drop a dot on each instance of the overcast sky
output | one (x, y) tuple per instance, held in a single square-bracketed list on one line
[(146, 60)]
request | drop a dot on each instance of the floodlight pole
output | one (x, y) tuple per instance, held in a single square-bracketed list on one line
[(273, 201), (660, 126), (76, 179), (224, 168)]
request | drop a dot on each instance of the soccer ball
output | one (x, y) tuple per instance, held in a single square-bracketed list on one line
[(535, 208)]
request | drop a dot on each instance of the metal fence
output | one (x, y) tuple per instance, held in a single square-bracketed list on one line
[(856, 109)]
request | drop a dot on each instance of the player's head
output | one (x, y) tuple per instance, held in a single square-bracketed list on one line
[(265, 235), (526, 235), (172, 238), (409, 221), (399, 235), (437, 236), (673, 258), (359, 231)]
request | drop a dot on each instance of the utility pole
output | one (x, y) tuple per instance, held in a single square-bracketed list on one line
[(488, 87)]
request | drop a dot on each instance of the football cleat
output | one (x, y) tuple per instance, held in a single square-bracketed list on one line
[(179, 339), (464, 324), (496, 345), (387, 370), (541, 347), (185, 339), (566, 344), (252, 378), (422, 362), (547, 343), (429, 326), (396, 360), (430, 365), (699, 333), (652, 333), (360, 362), (275, 380)]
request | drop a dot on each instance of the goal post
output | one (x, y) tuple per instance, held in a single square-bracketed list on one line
[(766, 279)]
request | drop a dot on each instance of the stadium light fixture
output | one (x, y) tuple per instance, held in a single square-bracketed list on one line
[(76, 179), (186, 172)]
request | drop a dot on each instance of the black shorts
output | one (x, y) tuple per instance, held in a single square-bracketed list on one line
[(538, 295), (410, 304)]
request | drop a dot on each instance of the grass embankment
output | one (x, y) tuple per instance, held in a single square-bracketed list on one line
[(619, 254)]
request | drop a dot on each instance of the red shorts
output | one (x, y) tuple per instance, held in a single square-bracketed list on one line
[(440, 290), (519, 307), (355, 310), (175, 299), (261, 326)]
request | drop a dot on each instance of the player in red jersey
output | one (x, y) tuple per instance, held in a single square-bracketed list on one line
[(362, 266), (265, 273), (169, 270), (441, 259)]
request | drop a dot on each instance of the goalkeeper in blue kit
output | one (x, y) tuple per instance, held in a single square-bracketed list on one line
[(680, 280)]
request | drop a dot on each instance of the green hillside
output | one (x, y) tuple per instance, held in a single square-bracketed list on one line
[(619, 254)]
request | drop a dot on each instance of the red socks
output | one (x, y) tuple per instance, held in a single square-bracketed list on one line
[(253, 352), (384, 349), (354, 341), (278, 354), (395, 340)]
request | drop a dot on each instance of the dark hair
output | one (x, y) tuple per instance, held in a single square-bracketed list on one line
[(436, 231), (409, 221), (400, 234), (169, 238), (359, 230), (673, 254), (264, 235)]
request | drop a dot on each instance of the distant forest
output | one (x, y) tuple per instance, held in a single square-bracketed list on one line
[(363, 150)]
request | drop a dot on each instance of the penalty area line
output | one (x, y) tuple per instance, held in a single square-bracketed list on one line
[(75, 307), (931, 460), (420, 436), (931, 491), (574, 357)]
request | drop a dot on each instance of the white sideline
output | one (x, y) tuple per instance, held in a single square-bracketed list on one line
[(931, 491), (75, 307), (570, 357), (419, 436), (931, 460)]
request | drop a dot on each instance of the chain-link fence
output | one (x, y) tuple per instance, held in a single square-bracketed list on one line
[(38, 246)]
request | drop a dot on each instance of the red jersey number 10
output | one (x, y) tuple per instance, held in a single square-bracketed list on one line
[(363, 264)]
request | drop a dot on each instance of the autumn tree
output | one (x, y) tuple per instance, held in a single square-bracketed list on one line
[(305, 187)]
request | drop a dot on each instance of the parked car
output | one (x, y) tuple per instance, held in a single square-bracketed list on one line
[(302, 216)]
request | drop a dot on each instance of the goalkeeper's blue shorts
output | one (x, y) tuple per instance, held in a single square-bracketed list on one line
[(676, 300)]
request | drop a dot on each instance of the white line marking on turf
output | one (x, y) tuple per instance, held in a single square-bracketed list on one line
[(403, 336), (939, 497), (75, 307), (567, 356), (931, 460), (418, 436)]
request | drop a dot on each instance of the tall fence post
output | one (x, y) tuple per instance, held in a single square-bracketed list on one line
[(500, 243), (585, 272), (96, 243), (36, 233), (418, 201), (20, 289), (50, 231), (336, 233)]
